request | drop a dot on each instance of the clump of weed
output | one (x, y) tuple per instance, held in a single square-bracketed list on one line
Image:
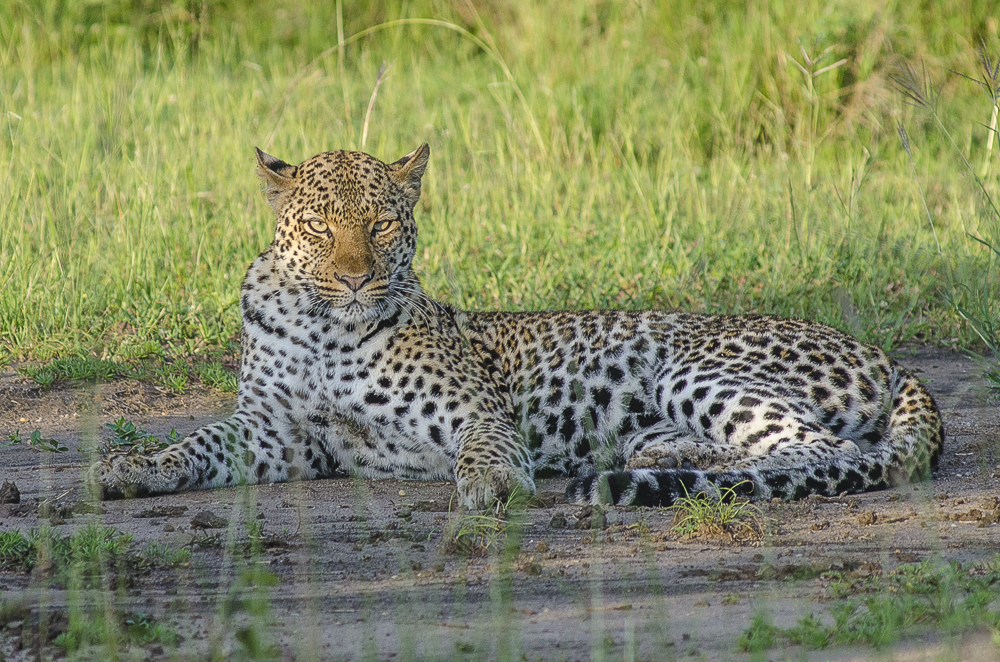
[(129, 438), (722, 514), (15, 549), (144, 629), (471, 534), (484, 532), (177, 374), (760, 636), (35, 441), (164, 556), (83, 556), (259, 540), (94, 629)]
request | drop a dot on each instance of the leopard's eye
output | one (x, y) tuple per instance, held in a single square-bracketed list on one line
[(382, 226), (317, 227)]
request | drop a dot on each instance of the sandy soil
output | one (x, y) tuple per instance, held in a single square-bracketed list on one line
[(361, 570)]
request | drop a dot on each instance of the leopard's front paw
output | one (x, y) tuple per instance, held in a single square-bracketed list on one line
[(480, 489), (129, 475)]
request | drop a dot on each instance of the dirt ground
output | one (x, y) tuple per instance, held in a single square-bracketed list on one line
[(359, 570)]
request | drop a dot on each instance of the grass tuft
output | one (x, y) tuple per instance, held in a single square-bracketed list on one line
[(469, 534), (723, 514)]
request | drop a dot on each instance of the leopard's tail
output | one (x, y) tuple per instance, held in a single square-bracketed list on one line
[(662, 487), (907, 451)]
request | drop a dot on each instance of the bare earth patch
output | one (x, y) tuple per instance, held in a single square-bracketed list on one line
[(347, 569)]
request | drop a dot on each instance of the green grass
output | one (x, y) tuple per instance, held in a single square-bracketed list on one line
[(583, 155), (213, 370), (879, 610), (87, 552), (87, 562)]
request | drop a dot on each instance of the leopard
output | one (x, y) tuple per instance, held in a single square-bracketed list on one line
[(348, 367)]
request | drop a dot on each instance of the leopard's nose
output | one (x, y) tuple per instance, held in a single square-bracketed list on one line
[(355, 283)]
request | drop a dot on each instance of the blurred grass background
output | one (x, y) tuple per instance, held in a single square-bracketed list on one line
[(721, 157)]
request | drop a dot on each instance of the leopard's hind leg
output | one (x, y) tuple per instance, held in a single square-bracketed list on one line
[(788, 460)]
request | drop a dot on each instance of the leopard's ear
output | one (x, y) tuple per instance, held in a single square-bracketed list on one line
[(278, 176), (409, 169)]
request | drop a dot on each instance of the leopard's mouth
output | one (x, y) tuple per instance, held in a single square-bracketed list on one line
[(352, 308), (341, 297), (373, 301)]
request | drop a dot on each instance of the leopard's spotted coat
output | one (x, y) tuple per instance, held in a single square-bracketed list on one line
[(348, 366)]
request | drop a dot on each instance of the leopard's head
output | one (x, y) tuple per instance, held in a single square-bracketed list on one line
[(345, 230)]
